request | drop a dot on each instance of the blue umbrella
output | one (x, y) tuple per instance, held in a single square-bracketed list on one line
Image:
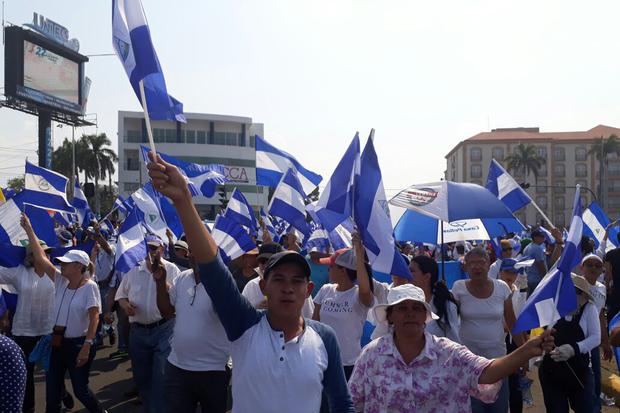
[(452, 201), (416, 227)]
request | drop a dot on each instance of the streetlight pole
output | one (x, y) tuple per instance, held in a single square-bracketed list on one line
[(73, 176)]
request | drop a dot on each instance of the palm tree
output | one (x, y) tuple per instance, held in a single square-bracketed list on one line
[(100, 160), (62, 158), (602, 149), (524, 158)]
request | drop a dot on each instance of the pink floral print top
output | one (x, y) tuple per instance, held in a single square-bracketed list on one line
[(440, 380)]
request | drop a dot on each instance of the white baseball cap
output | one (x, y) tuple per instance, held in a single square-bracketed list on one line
[(399, 294), (591, 257), (75, 256)]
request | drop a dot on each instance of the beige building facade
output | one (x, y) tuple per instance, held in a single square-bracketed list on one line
[(567, 163)]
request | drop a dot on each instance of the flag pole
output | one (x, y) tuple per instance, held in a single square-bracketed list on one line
[(443, 260), (147, 119), (543, 214)]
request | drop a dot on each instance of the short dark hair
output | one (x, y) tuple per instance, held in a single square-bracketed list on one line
[(478, 252)]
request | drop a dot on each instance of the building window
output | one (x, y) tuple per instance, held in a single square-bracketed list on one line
[(541, 186), (559, 154), (542, 171), (559, 203), (559, 187), (171, 136), (159, 135), (219, 138), (541, 151), (475, 154), (541, 201), (252, 141), (133, 136), (476, 171), (559, 170), (232, 139), (581, 170), (131, 186), (132, 162), (613, 202), (613, 169), (190, 136), (498, 154), (581, 153), (201, 137), (560, 220), (613, 185)]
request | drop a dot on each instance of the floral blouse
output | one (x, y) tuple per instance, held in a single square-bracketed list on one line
[(440, 380)]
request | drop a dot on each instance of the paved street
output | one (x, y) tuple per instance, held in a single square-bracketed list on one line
[(110, 379)]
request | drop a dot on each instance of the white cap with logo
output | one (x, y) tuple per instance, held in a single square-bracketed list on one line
[(75, 256)]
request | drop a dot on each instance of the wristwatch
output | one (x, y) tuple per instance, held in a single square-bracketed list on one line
[(89, 341)]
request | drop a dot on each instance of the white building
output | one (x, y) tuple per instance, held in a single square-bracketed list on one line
[(204, 139)]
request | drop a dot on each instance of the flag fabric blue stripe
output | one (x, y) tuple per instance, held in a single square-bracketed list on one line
[(130, 246), (269, 226), (131, 39), (42, 224), (202, 179), (45, 189), (288, 203), (12, 255), (336, 200), (232, 240), (594, 223), (240, 210), (87, 247), (372, 217), (272, 163), (504, 187), (555, 297)]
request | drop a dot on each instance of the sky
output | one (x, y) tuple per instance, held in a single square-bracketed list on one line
[(425, 75)]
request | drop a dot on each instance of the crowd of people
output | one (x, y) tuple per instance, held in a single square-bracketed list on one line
[(282, 329)]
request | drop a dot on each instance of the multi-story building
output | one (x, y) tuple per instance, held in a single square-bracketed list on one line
[(204, 139), (567, 163)]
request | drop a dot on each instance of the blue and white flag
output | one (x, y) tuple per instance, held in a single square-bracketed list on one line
[(275, 235), (131, 245), (549, 239), (131, 39), (119, 204), (288, 202), (11, 232), (202, 180), (372, 217), (505, 188), (336, 202), (594, 223), (80, 203), (45, 189), (149, 210), (240, 210), (555, 297), (342, 235), (232, 240), (272, 163)]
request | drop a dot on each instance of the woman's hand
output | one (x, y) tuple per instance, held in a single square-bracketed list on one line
[(541, 344), (82, 356), (167, 179), (25, 223)]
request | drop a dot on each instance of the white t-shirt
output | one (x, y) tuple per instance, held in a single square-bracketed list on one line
[(482, 319), (35, 306), (343, 311), (599, 294), (199, 342), (494, 269), (71, 306), (104, 263), (255, 296), (591, 327)]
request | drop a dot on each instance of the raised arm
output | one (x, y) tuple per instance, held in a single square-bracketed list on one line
[(235, 311), (363, 278), (42, 264)]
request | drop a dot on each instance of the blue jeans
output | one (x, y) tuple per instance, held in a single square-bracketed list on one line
[(63, 358), (498, 406), (149, 349), (595, 359)]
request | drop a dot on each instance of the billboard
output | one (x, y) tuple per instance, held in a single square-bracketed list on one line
[(43, 72)]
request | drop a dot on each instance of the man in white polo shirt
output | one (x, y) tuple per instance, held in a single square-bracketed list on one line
[(196, 369), (282, 362), (149, 341)]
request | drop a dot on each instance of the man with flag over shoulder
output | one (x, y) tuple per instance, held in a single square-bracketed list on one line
[(282, 362)]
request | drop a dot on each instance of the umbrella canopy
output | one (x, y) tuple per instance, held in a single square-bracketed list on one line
[(451, 201), (416, 227)]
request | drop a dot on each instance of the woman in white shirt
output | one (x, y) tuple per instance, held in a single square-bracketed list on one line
[(425, 272), (565, 374), (485, 306), (343, 305), (34, 284), (75, 318)]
